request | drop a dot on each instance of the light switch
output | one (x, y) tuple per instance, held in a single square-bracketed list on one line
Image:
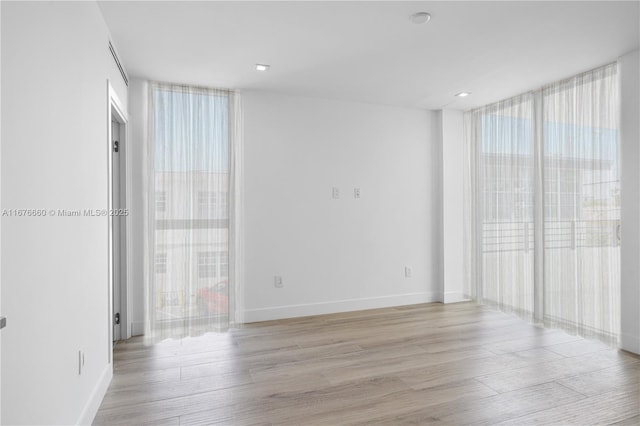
[(277, 281)]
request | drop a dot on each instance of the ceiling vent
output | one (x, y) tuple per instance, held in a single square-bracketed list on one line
[(115, 58)]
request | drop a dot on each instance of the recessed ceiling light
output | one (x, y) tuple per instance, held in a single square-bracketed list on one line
[(262, 67), (420, 17), (463, 94)]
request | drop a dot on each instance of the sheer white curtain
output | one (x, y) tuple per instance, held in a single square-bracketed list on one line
[(542, 204), (193, 178), (501, 225), (582, 203)]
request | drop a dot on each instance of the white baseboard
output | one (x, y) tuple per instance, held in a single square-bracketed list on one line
[(137, 328), (95, 399), (630, 343), (455, 297), (293, 311)]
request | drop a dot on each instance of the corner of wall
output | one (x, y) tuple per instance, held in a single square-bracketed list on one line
[(630, 201), (630, 343), (95, 399), (452, 220), (438, 138)]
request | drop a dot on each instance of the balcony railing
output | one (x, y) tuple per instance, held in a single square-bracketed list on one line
[(566, 234)]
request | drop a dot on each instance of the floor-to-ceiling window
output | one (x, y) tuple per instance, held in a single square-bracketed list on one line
[(581, 186), (505, 226), (188, 234), (542, 204)]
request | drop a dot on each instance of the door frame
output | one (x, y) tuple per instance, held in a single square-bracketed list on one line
[(117, 112)]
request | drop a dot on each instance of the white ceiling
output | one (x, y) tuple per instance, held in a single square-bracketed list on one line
[(370, 51)]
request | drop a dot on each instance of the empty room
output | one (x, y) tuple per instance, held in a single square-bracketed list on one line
[(320, 213)]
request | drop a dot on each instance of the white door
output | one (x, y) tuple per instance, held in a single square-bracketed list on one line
[(117, 228), (3, 323)]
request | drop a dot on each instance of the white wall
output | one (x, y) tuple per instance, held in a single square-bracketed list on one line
[(55, 66), (338, 254), (630, 200), (333, 255), (451, 125)]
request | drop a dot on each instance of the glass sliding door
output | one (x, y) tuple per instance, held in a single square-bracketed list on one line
[(542, 203), (582, 204), (506, 181)]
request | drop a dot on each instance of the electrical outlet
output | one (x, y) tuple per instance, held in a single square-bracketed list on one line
[(277, 281), (356, 192), (335, 193), (408, 271)]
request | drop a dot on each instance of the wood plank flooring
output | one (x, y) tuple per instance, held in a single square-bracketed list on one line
[(458, 364)]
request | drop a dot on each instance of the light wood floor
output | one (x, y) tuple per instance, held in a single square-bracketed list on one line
[(424, 364)]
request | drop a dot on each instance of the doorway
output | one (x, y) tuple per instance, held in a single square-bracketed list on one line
[(119, 222), (119, 226)]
